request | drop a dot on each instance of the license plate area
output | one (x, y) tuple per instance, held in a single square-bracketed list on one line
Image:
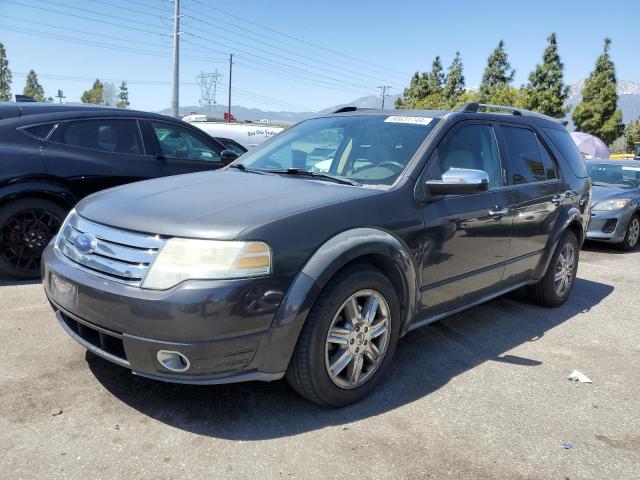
[(62, 292)]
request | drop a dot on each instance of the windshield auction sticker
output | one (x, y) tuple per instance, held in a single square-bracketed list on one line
[(411, 120)]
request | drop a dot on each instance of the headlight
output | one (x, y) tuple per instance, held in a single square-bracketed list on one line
[(184, 259), (611, 205)]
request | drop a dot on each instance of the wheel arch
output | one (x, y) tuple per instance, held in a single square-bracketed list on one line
[(37, 189), (569, 220)]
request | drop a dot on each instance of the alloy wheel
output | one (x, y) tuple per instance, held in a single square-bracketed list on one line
[(565, 269), (634, 232), (24, 237), (357, 339)]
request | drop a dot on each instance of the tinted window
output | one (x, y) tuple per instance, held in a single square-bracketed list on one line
[(178, 142), (563, 142), (524, 160), (472, 147), (106, 135), (232, 145), (549, 162), (39, 131)]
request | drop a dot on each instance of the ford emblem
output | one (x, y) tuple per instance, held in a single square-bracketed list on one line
[(85, 243)]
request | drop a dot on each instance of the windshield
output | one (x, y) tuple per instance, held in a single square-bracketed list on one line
[(370, 150), (621, 176)]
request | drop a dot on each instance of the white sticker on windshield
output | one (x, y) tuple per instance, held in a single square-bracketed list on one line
[(633, 169), (411, 120)]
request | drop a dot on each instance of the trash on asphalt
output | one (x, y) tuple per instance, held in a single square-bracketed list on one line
[(566, 445), (577, 376), (56, 411)]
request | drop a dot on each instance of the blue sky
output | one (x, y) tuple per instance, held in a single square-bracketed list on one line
[(311, 55)]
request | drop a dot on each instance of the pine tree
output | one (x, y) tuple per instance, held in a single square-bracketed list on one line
[(632, 134), (497, 75), (454, 84), (123, 96), (94, 95), (424, 87), (597, 113), (436, 78), (5, 76), (546, 92), (33, 88)]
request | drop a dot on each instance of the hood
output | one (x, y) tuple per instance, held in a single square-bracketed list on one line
[(214, 205), (598, 193)]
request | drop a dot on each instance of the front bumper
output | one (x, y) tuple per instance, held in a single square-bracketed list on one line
[(225, 328), (609, 226)]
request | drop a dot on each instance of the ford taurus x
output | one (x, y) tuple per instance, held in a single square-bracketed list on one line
[(275, 266)]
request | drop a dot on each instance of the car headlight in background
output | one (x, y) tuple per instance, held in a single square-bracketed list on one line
[(190, 259), (611, 205)]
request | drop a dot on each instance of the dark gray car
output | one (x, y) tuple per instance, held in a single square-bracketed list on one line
[(270, 268), (615, 211)]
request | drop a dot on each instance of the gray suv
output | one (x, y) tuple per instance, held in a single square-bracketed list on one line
[(283, 265)]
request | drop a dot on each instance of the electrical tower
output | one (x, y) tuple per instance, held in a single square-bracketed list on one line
[(208, 86)]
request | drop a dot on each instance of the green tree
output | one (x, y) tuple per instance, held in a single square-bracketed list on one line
[(435, 79), (454, 83), (497, 74), (123, 96), (5, 76), (597, 113), (546, 92), (94, 95), (632, 134), (33, 88)]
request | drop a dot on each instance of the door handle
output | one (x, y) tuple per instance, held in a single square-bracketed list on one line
[(557, 199), (498, 211)]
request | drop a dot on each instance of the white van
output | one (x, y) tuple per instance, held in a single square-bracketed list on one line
[(248, 135)]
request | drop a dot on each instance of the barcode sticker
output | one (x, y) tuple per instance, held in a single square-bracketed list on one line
[(410, 120)]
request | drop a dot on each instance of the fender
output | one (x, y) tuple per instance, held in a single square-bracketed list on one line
[(330, 258), (37, 188), (567, 217)]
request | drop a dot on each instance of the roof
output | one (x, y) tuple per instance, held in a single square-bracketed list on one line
[(21, 109)]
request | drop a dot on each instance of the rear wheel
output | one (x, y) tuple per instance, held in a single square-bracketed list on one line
[(556, 285), (348, 339), (633, 233), (26, 227)]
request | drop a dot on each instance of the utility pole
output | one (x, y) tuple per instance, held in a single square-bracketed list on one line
[(383, 89), (175, 102), (230, 72)]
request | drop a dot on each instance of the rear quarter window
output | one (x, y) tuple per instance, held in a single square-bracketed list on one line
[(41, 132), (569, 150)]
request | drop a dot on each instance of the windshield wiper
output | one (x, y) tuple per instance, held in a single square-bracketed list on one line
[(320, 176), (244, 168)]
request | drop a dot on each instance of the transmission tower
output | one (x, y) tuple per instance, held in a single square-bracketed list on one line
[(208, 85)]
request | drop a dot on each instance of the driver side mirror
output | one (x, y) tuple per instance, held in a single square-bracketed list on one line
[(459, 181), (227, 156)]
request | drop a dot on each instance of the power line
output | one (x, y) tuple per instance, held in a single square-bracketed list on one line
[(208, 86)]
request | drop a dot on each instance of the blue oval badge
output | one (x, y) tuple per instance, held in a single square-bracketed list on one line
[(84, 243)]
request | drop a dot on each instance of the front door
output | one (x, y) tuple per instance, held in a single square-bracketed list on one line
[(466, 237)]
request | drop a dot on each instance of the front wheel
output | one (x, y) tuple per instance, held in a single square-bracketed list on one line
[(348, 338), (556, 285), (632, 235)]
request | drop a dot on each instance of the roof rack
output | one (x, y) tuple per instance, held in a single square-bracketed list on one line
[(475, 108), (346, 109)]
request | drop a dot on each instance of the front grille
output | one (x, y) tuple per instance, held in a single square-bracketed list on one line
[(104, 340), (610, 225), (118, 254)]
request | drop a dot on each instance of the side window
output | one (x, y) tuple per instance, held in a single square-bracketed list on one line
[(563, 142), (106, 135), (472, 147), (41, 131), (178, 142), (524, 160), (549, 162)]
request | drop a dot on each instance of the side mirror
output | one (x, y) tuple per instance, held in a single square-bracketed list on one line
[(459, 181), (227, 156)]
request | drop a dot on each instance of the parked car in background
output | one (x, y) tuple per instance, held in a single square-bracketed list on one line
[(249, 135), (615, 211), (267, 268), (52, 155)]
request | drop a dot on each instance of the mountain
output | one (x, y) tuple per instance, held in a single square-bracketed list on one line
[(243, 113), (628, 100)]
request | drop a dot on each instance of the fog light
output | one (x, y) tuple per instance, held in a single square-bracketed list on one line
[(174, 361)]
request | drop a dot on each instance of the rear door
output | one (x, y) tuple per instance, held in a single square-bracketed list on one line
[(92, 154), (466, 237), (182, 149), (536, 196)]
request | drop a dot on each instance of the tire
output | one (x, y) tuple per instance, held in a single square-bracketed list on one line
[(546, 291), (26, 228), (632, 235), (315, 352)]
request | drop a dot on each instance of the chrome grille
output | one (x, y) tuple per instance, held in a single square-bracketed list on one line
[(118, 254)]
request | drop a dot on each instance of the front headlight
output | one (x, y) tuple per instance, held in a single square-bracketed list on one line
[(188, 259), (611, 205)]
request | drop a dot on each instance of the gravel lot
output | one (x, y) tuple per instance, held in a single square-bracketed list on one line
[(482, 394)]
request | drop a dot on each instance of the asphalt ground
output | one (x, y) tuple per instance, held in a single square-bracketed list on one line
[(482, 394)]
